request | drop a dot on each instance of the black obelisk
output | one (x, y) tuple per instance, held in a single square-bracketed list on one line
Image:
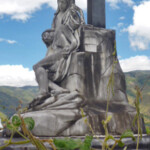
[(96, 13)]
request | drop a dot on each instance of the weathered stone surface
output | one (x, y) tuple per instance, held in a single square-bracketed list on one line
[(89, 71), (55, 121), (122, 117)]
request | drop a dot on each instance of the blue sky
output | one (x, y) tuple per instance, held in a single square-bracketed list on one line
[(22, 23)]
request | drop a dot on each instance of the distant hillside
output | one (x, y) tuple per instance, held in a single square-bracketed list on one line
[(139, 78), (10, 96)]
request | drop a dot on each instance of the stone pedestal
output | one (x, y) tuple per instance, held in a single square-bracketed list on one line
[(91, 67)]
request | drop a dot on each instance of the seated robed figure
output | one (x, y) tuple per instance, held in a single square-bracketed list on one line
[(61, 40)]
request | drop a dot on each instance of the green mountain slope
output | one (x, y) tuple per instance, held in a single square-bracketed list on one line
[(140, 79), (10, 96)]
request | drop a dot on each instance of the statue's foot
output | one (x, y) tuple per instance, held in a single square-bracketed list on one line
[(58, 92), (39, 100)]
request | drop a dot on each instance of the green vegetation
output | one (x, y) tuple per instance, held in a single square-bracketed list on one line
[(139, 78), (70, 144), (10, 97)]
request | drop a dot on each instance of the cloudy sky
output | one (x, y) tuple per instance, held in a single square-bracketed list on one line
[(23, 21)]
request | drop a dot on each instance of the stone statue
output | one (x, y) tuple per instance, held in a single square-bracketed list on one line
[(64, 38), (75, 73)]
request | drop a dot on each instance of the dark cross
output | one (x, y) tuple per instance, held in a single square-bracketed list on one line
[(96, 13)]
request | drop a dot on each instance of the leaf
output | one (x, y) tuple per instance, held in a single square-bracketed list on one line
[(110, 137), (16, 121), (121, 144), (67, 144), (108, 119), (86, 121), (60, 144), (82, 112), (128, 134), (87, 143), (29, 123), (9, 126), (148, 130)]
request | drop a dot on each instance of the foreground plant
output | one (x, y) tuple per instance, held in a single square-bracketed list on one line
[(110, 91), (26, 125), (70, 144), (119, 142), (22, 126), (17, 122)]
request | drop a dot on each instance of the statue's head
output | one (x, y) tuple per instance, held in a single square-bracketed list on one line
[(63, 5)]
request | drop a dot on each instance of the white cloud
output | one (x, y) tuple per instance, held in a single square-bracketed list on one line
[(8, 41), (23, 9), (122, 18), (114, 3), (82, 4), (128, 2), (135, 63), (139, 31), (11, 41), (118, 27), (16, 75), (24, 17)]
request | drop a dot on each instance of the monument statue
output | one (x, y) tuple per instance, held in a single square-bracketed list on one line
[(75, 73), (64, 38)]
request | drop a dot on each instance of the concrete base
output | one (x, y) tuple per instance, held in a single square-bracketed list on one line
[(144, 144)]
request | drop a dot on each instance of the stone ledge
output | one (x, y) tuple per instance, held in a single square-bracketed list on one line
[(144, 143)]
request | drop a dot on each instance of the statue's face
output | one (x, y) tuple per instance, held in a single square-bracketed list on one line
[(62, 5)]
